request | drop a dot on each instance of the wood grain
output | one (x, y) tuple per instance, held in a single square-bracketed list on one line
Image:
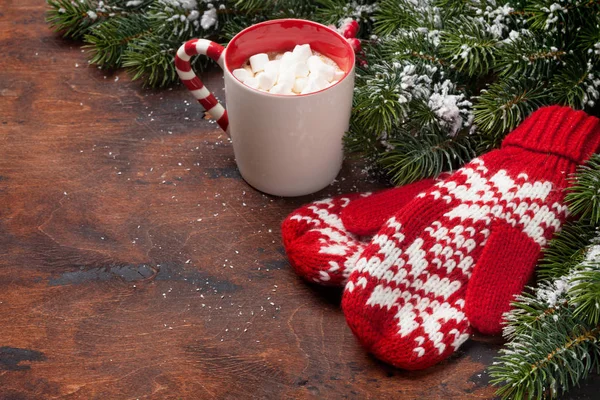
[(136, 263)]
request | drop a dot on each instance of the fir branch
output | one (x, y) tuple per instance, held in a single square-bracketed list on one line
[(413, 158), (174, 21), (554, 17), (151, 59), (575, 85), (589, 35), (72, 18), (376, 103), (545, 15), (450, 9), (335, 11), (504, 104), (529, 56), (566, 250), (240, 14), (505, 66), (394, 15), (108, 41), (405, 96), (252, 6), (234, 23), (585, 293), (402, 47), (547, 360), (584, 194), (529, 312), (470, 46), (271, 9)]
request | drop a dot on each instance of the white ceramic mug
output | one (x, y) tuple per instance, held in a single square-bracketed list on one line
[(285, 145)]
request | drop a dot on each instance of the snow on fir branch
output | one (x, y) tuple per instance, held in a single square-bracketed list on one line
[(494, 54), (552, 346)]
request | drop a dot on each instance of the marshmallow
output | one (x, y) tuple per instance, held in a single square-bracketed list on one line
[(287, 61), (287, 76), (299, 84), (307, 90), (317, 80), (315, 83), (315, 64), (328, 72), (288, 55), (251, 82), (242, 74), (258, 62), (285, 83), (266, 80), (273, 67), (302, 52), (289, 73), (282, 88), (301, 70)]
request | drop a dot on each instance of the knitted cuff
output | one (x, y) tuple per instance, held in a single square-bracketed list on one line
[(560, 131)]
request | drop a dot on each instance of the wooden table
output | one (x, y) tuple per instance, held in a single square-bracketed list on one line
[(136, 263)]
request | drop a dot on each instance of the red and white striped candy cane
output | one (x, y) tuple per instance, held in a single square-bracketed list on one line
[(193, 83)]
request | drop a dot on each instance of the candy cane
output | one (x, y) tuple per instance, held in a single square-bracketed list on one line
[(194, 84)]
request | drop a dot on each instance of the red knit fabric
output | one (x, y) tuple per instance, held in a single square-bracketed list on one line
[(317, 244), (323, 239), (366, 216), (557, 130), (507, 263), (407, 299)]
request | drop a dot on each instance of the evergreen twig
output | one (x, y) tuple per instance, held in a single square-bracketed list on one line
[(584, 194)]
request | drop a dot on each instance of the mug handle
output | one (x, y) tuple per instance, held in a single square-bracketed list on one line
[(193, 83)]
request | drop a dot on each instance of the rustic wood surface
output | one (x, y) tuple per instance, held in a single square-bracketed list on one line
[(136, 263)]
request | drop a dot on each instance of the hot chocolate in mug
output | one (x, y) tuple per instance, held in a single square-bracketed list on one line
[(285, 145)]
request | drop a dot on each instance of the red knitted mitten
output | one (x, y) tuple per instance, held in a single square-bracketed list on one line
[(407, 299), (322, 239)]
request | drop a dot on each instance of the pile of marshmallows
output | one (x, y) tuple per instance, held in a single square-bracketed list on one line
[(295, 72)]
